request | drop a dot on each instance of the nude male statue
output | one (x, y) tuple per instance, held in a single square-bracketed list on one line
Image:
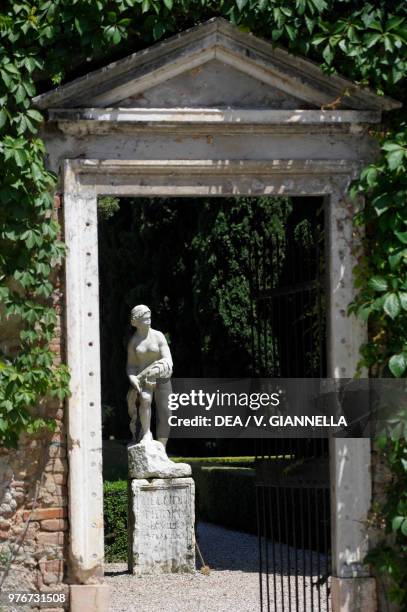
[(149, 368)]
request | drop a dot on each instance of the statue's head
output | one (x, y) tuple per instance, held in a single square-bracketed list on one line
[(140, 316)]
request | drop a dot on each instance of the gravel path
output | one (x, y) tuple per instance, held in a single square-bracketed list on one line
[(231, 586)]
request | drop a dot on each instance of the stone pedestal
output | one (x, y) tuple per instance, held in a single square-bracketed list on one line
[(161, 526)]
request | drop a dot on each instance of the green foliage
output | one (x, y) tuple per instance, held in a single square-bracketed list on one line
[(107, 207), (29, 249), (382, 301), (246, 462), (381, 274), (115, 520), (390, 560), (231, 250)]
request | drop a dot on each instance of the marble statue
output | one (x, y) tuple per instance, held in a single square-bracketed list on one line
[(149, 368)]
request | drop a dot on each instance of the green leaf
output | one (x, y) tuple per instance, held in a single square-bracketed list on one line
[(364, 311), (11, 68), (378, 283), (29, 88), (395, 258), (382, 441), (158, 30), (394, 22), (369, 175), (3, 117), (20, 93), (398, 365), (403, 299), (395, 159), (372, 39), (381, 203), (320, 5), (30, 63), (391, 146), (327, 54), (116, 36), (396, 522), (402, 236), (310, 24), (317, 40), (168, 4), (291, 31), (241, 4), (392, 305)]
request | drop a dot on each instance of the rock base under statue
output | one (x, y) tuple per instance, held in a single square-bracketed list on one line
[(149, 460), (161, 526)]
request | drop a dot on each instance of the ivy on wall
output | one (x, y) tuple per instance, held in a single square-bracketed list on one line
[(45, 42)]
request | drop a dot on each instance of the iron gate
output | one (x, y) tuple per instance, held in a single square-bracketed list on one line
[(292, 475)]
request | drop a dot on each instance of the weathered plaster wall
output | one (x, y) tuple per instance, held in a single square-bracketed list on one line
[(33, 490)]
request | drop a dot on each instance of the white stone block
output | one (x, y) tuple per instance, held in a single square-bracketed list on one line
[(149, 460), (89, 597), (161, 526)]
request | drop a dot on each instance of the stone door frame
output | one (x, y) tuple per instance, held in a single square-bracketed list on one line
[(84, 180)]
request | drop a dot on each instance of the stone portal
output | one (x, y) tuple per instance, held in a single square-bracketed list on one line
[(211, 111)]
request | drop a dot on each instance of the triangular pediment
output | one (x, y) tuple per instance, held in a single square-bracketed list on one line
[(214, 84), (213, 65)]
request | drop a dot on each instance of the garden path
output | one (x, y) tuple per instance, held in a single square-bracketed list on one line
[(231, 586)]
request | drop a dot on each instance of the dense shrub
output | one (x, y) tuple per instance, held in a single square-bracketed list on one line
[(115, 520), (226, 496)]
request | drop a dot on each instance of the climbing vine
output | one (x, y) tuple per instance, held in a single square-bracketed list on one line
[(382, 301), (45, 42)]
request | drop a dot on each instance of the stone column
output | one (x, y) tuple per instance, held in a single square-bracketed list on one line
[(161, 536), (352, 586)]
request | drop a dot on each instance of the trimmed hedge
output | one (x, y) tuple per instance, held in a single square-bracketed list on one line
[(216, 461), (225, 495), (115, 520)]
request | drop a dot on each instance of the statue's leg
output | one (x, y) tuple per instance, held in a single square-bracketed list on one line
[(162, 391), (132, 410), (145, 414)]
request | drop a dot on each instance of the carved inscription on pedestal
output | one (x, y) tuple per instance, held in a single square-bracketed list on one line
[(161, 526)]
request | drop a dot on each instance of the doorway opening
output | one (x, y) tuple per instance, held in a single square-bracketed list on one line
[(237, 285)]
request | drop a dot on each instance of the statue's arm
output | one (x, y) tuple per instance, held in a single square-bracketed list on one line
[(165, 353)]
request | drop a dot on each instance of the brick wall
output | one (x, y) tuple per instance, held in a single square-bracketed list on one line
[(33, 490)]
